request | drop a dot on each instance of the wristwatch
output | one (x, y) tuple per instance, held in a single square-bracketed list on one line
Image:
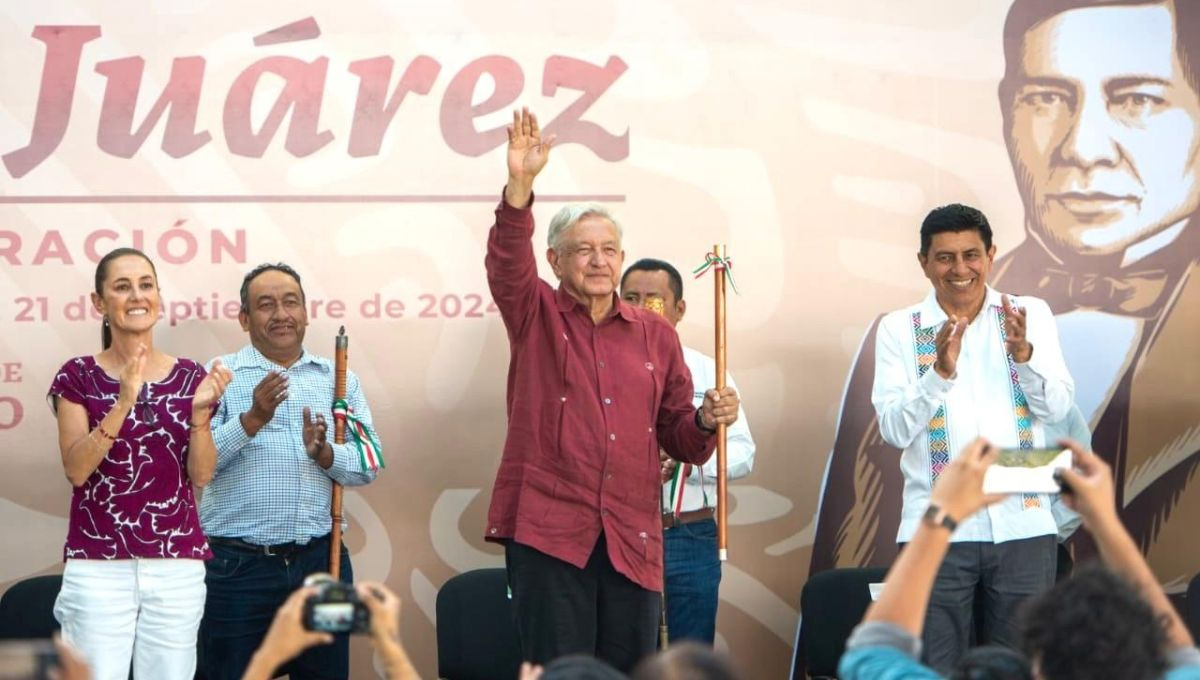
[(936, 517)]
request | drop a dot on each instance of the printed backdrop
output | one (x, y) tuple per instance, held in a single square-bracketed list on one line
[(362, 143)]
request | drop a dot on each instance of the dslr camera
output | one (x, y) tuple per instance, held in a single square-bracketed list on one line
[(335, 608)]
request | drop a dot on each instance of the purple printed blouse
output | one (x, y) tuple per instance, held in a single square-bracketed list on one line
[(139, 501)]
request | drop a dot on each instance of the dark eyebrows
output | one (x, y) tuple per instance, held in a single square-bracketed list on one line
[(952, 253), (1133, 81), (1045, 81)]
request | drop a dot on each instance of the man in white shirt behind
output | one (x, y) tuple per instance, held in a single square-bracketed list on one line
[(970, 362), (693, 572)]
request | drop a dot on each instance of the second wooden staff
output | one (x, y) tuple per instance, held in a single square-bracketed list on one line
[(718, 253), (340, 344)]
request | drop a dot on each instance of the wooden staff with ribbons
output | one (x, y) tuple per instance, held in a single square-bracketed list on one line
[(720, 269), (721, 265), (341, 344)]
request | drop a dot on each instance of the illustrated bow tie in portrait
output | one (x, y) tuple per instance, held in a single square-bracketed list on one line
[(1141, 294)]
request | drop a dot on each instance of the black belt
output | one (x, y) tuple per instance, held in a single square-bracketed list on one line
[(278, 550)]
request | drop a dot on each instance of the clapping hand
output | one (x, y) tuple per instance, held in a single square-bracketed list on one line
[(948, 342), (1014, 332), (315, 444), (268, 394), (132, 376), (210, 390)]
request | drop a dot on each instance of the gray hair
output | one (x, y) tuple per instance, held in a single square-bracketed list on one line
[(570, 215)]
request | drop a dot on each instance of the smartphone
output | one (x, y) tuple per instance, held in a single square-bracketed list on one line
[(1026, 471), (27, 659)]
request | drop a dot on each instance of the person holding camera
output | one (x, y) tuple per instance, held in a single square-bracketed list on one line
[(266, 511), (965, 362), (133, 431), (298, 623), (1111, 621)]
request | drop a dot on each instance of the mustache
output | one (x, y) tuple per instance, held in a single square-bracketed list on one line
[(1099, 186)]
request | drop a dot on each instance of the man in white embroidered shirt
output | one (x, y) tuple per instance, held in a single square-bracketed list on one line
[(693, 572), (969, 362)]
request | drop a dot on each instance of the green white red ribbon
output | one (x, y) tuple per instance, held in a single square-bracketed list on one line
[(370, 454), (677, 484), (712, 261)]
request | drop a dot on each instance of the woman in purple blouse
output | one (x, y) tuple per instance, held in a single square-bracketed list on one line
[(134, 435)]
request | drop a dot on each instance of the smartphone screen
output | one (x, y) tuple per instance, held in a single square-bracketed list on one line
[(1026, 471)]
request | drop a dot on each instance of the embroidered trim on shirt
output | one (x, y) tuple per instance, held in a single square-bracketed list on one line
[(1021, 413), (939, 438)]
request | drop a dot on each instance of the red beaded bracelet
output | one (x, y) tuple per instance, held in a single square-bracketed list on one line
[(100, 428)]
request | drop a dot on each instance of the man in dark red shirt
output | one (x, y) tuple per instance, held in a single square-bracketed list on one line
[(595, 387)]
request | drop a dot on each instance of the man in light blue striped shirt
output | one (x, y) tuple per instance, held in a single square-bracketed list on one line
[(266, 511)]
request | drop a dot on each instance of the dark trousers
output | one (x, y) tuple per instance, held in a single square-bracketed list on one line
[(244, 591), (561, 609), (693, 578), (988, 579)]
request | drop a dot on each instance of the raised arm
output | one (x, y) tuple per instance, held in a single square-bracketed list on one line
[(527, 155), (957, 495), (1088, 489), (510, 262), (887, 642), (384, 606)]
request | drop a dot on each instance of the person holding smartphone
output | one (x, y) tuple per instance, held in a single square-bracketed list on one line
[(970, 362)]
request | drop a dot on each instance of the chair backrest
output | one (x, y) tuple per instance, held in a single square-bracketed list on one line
[(27, 608), (832, 603), (476, 635), (1192, 605)]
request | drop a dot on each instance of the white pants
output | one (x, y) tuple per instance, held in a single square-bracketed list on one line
[(145, 609)]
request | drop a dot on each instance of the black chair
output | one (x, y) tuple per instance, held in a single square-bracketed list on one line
[(27, 608), (832, 603), (476, 636)]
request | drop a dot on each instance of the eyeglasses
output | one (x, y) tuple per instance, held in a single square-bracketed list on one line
[(145, 408)]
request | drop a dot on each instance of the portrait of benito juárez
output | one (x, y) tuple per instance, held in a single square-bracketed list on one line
[(1101, 109)]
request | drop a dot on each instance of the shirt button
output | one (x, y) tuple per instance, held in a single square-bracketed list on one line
[(649, 429), (612, 437), (607, 400), (608, 476), (604, 511), (493, 530), (563, 398), (601, 364)]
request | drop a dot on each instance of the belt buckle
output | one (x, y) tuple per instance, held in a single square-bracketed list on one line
[(266, 549)]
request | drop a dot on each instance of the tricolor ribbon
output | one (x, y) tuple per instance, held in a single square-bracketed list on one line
[(712, 261), (679, 481), (370, 454)]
